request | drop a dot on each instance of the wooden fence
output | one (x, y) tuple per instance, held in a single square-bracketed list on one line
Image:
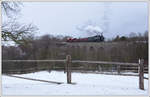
[(69, 61)]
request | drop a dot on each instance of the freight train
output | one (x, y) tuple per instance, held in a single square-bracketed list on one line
[(97, 38)]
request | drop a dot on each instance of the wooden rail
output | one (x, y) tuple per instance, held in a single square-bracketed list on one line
[(106, 63), (33, 60), (75, 61), (54, 82)]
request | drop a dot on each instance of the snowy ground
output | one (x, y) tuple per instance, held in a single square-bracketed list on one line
[(86, 84)]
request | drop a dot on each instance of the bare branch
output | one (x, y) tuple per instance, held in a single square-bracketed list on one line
[(11, 8), (16, 32)]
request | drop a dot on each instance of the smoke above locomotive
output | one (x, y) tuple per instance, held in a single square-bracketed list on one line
[(93, 29), (96, 31)]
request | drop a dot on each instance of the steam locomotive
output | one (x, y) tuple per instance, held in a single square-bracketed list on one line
[(97, 38)]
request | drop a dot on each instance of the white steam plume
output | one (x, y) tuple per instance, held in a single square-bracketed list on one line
[(90, 30), (95, 29)]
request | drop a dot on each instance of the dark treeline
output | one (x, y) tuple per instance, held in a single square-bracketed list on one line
[(120, 49)]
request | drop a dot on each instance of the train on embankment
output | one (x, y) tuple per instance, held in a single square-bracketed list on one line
[(96, 38)]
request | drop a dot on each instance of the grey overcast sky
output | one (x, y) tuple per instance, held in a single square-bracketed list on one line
[(63, 18)]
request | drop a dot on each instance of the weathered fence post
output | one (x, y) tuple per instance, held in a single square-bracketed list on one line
[(118, 69), (68, 68), (141, 74)]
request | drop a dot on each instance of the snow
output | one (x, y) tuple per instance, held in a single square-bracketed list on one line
[(86, 84)]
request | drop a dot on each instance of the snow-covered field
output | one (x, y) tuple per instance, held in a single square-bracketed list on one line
[(86, 84)]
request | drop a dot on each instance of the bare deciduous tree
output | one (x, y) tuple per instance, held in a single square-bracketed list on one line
[(11, 29)]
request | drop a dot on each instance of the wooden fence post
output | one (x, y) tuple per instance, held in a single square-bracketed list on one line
[(68, 68), (118, 69), (141, 74)]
